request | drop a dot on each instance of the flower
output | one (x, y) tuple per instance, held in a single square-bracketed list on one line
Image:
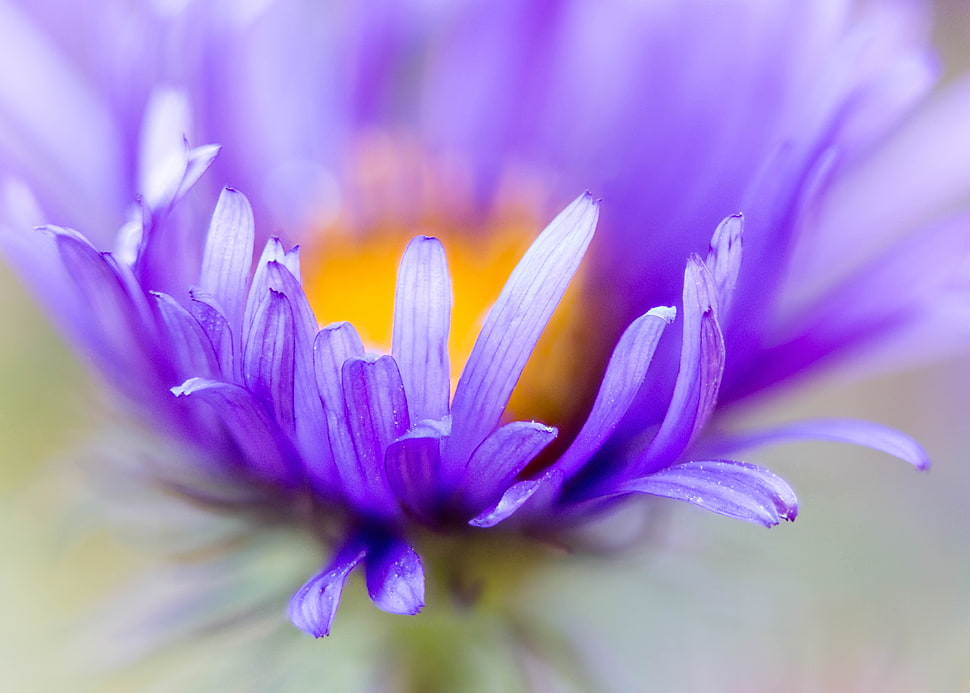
[(473, 123)]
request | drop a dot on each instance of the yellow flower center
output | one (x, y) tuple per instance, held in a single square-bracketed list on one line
[(394, 191)]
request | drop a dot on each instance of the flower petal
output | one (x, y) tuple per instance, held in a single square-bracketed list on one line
[(395, 578), (411, 465), (852, 431), (624, 375), (377, 414), (333, 346), (517, 495), (513, 326), (262, 447), (699, 378), (189, 346), (500, 457), (422, 318), (724, 261), (268, 358), (734, 489), (228, 255), (313, 607)]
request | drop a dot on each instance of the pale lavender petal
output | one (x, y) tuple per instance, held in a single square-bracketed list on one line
[(213, 321), (162, 156), (724, 261), (334, 345), (189, 345), (699, 378), (624, 375), (852, 431), (734, 489), (377, 414), (422, 318), (313, 607), (228, 255), (500, 457), (516, 496), (269, 355), (514, 324), (262, 446), (395, 578), (273, 251)]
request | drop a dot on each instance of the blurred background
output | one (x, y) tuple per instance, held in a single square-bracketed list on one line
[(868, 591)]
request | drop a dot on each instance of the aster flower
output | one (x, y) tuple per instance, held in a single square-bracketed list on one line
[(286, 411), (449, 120)]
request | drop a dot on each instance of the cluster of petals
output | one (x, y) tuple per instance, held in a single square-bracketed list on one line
[(238, 365)]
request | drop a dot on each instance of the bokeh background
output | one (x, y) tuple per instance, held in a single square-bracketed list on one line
[(869, 591)]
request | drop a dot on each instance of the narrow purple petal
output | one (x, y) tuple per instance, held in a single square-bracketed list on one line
[(162, 152), (334, 345), (734, 489), (517, 495), (228, 255), (514, 324), (213, 321), (199, 161), (263, 448), (411, 465), (395, 578), (852, 431), (724, 261), (699, 378), (624, 375), (500, 457), (377, 414), (422, 318), (313, 607), (273, 251), (311, 427), (268, 358), (189, 346), (115, 326)]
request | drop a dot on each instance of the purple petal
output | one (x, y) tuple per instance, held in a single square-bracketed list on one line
[(514, 324), (313, 607), (734, 489), (724, 261), (228, 255), (188, 344), (624, 375), (701, 368), (422, 318), (377, 414), (334, 345), (273, 251), (395, 578), (411, 464), (500, 457), (261, 444), (517, 495), (162, 155), (865, 433), (213, 321), (268, 358), (311, 427)]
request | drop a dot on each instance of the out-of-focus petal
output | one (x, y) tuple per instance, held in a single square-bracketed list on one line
[(313, 607)]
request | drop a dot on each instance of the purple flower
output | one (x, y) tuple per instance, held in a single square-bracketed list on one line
[(436, 118)]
